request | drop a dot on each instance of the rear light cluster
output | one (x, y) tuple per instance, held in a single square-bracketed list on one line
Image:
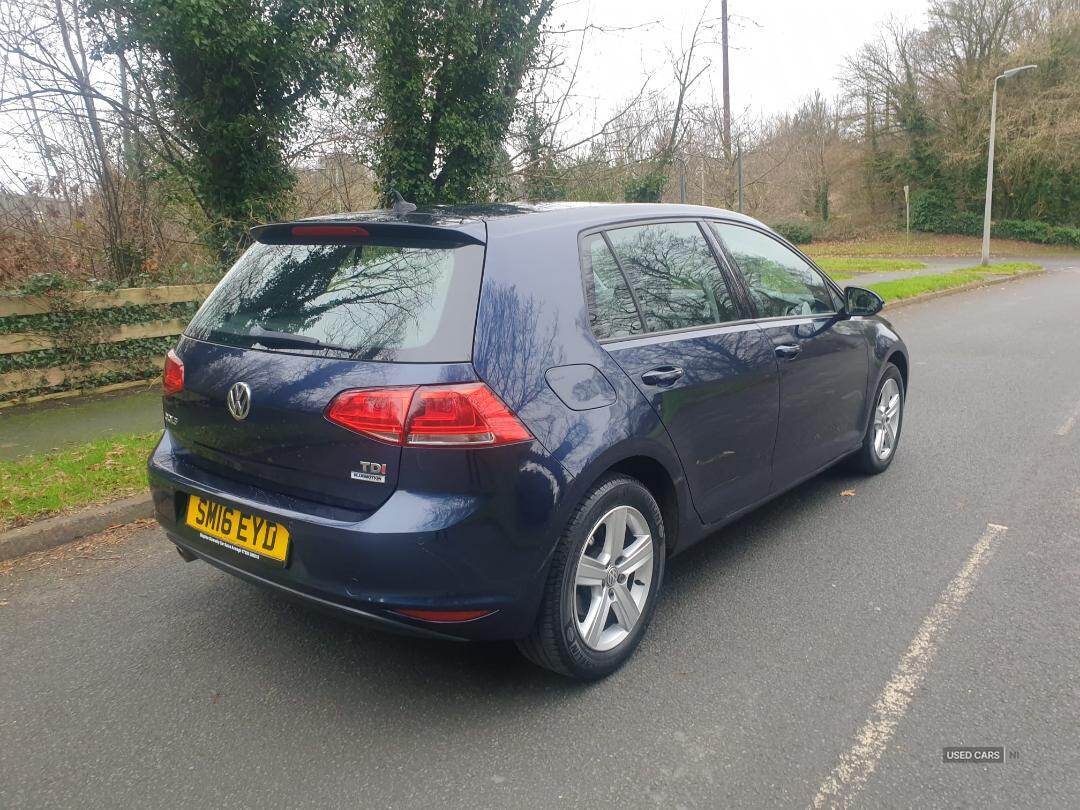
[(173, 378), (465, 415)]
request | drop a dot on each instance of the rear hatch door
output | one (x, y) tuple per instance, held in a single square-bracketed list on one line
[(302, 319)]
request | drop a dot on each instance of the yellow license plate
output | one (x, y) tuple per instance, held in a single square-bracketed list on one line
[(248, 534)]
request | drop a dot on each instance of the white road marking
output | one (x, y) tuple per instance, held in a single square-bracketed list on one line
[(1068, 424), (855, 765)]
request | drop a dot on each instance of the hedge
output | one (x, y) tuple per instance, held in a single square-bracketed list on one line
[(935, 211), (1028, 231)]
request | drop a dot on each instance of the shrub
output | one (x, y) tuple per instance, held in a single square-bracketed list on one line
[(932, 210), (40, 283), (1063, 235), (1025, 230), (966, 223), (797, 233), (647, 188)]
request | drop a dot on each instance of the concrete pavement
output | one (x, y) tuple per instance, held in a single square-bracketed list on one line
[(131, 678)]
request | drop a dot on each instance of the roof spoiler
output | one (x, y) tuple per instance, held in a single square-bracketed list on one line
[(354, 232)]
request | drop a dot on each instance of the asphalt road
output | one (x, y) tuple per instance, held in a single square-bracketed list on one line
[(828, 646)]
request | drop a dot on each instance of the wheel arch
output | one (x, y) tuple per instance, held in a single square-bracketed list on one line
[(899, 359), (666, 488)]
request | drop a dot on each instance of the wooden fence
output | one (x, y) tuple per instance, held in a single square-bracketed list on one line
[(70, 376)]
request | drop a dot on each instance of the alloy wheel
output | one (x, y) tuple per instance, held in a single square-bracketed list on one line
[(887, 419), (613, 577)]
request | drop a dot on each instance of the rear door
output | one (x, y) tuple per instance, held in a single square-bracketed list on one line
[(664, 310), (296, 324), (823, 357)]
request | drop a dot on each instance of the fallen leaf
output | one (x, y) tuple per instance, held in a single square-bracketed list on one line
[(847, 493)]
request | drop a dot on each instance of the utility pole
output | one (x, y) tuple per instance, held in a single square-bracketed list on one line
[(727, 82), (1008, 74)]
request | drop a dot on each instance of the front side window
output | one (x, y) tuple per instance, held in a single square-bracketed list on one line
[(612, 311), (672, 269), (781, 283)]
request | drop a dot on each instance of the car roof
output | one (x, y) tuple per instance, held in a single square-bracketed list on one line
[(526, 216)]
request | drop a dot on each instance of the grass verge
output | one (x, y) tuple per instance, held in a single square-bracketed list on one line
[(853, 266), (928, 244), (1006, 268), (919, 285), (42, 485)]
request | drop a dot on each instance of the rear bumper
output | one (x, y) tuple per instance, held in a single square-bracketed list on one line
[(420, 551)]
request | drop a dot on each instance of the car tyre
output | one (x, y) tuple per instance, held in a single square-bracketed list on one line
[(885, 425), (574, 634)]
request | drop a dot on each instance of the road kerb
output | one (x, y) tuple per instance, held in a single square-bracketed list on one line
[(975, 285), (55, 531)]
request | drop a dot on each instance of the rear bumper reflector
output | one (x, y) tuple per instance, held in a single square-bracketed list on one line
[(444, 616)]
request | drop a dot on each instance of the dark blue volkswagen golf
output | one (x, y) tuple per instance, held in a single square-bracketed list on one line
[(500, 422)]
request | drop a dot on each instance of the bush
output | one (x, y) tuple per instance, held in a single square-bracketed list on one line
[(1027, 230), (1063, 235), (41, 283), (797, 233), (1023, 229), (966, 223), (647, 188), (932, 210)]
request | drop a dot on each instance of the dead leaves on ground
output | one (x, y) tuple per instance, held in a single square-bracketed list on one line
[(99, 547)]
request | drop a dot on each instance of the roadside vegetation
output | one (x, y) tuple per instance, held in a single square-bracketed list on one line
[(42, 485), (918, 285), (900, 244), (142, 139)]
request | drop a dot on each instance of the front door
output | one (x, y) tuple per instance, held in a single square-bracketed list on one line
[(664, 311), (823, 357)]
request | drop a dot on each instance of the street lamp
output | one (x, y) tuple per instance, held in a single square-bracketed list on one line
[(1008, 74)]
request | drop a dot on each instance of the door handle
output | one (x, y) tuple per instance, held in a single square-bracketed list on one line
[(662, 376), (789, 351)]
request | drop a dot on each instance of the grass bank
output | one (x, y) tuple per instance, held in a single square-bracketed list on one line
[(919, 285), (42, 485)]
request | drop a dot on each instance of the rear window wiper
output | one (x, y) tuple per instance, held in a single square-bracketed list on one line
[(286, 340), (283, 340)]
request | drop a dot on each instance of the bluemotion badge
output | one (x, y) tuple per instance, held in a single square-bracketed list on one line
[(370, 471)]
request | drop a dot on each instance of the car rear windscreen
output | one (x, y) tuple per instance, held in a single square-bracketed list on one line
[(391, 302)]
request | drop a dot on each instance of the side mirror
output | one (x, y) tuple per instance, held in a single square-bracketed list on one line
[(860, 301)]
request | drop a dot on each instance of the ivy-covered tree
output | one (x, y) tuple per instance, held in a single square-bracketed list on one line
[(444, 79), (225, 85)]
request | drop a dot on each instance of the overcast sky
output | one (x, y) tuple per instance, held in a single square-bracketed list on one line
[(780, 50)]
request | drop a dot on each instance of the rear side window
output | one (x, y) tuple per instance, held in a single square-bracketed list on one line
[(780, 281), (368, 302), (612, 311), (672, 269)]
